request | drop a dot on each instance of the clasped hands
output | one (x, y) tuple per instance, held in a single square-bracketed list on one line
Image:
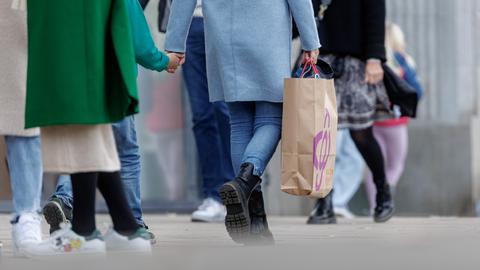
[(175, 61)]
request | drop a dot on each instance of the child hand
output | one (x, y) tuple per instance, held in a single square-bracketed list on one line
[(175, 60)]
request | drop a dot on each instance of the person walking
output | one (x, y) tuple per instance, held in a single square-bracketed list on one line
[(248, 48), (211, 120), (392, 134), (353, 33), (59, 208), (24, 158), (211, 125), (94, 59)]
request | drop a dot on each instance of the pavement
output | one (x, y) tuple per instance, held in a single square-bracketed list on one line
[(403, 243)]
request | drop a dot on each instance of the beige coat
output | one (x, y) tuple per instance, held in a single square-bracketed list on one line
[(13, 69), (79, 149)]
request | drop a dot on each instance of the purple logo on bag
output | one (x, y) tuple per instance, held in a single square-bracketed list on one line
[(321, 151)]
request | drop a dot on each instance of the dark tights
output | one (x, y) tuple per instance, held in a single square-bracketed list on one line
[(370, 150), (84, 186)]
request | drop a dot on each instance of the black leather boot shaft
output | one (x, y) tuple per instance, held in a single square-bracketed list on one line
[(385, 207), (249, 180), (260, 232), (323, 212)]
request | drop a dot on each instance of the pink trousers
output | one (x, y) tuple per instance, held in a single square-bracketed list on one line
[(393, 141)]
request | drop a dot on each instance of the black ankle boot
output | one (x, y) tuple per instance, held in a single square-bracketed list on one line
[(235, 196), (323, 212), (260, 233), (385, 206)]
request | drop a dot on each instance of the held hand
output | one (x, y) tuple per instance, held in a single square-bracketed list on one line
[(175, 60), (310, 56), (373, 72)]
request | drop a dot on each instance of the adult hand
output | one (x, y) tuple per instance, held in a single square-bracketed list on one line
[(310, 56), (374, 71)]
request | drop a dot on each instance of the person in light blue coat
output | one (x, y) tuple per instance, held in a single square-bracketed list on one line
[(248, 45)]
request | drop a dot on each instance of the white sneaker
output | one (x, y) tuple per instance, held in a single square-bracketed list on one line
[(210, 211), (343, 212), (137, 243), (26, 232), (66, 242)]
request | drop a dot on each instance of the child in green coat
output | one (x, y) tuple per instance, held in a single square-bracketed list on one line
[(127, 234)]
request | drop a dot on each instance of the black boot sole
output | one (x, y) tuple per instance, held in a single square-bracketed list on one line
[(237, 220), (54, 215), (321, 221), (386, 218)]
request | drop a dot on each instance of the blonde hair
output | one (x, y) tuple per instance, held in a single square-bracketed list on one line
[(395, 43), (395, 38)]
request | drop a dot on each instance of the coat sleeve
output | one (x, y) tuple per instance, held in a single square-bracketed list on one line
[(181, 14), (302, 12), (146, 53), (375, 16)]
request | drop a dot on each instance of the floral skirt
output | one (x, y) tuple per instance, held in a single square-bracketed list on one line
[(359, 104)]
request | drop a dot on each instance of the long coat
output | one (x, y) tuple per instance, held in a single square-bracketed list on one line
[(248, 44), (13, 71), (81, 66)]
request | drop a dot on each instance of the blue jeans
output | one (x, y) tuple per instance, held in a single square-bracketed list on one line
[(255, 132), (64, 191), (129, 154), (211, 121), (348, 169), (24, 161)]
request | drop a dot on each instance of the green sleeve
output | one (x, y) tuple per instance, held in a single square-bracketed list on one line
[(146, 53)]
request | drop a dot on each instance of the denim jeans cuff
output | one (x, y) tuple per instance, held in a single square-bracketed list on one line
[(258, 167)]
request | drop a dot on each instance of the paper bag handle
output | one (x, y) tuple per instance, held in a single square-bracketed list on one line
[(311, 65)]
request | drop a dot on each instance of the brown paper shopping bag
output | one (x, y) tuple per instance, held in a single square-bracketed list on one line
[(309, 136)]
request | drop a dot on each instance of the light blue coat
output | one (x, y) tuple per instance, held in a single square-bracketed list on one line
[(248, 44)]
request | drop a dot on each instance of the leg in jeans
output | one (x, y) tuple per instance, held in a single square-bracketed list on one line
[(394, 143), (129, 154), (242, 117), (267, 130), (256, 130), (210, 120), (255, 133), (348, 170), (64, 191), (25, 167)]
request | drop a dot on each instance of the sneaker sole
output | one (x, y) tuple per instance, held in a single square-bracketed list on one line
[(237, 220), (54, 215)]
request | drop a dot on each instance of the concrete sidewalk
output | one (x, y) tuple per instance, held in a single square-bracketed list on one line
[(403, 243)]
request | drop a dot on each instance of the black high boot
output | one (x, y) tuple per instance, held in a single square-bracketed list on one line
[(323, 212), (260, 233), (235, 196), (385, 206)]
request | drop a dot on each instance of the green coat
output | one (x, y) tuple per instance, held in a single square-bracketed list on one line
[(81, 67)]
